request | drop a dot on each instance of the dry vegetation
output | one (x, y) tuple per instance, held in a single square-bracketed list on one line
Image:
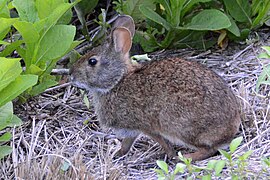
[(61, 139)]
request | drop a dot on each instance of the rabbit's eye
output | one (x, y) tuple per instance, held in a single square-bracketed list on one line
[(92, 61)]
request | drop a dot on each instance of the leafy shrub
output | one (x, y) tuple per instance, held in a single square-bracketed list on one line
[(176, 24), (237, 166), (40, 37)]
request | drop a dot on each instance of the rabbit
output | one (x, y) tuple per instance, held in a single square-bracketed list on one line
[(173, 101)]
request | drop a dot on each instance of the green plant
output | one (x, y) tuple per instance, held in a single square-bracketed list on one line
[(264, 77), (40, 38), (236, 165), (12, 84), (182, 22), (248, 14)]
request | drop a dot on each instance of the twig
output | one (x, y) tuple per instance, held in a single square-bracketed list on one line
[(60, 72), (57, 87)]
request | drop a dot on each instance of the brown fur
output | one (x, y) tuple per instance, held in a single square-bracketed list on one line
[(170, 100)]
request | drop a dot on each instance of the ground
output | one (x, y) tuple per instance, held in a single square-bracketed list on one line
[(61, 139)]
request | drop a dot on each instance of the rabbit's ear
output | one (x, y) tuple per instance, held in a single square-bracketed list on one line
[(125, 21), (122, 40)]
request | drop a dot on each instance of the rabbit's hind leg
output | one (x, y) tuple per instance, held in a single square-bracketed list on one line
[(201, 154), (166, 145)]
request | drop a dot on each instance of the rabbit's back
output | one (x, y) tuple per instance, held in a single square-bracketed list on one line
[(181, 100)]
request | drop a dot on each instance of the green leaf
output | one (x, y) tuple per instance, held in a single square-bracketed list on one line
[(10, 69), (45, 84), (28, 31), (15, 121), (235, 143), (211, 164), (163, 165), (180, 167), (4, 11), (225, 154), (267, 49), (15, 88), (132, 8), (264, 9), (246, 155), (55, 43), (5, 26), (27, 10), (45, 8), (10, 48), (5, 150), (5, 137), (152, 15), (240, 10), (207, 177), (265, 74), (263, 56), (4, 43), (234, 28), (219, 167), (209, 19), (6, 113)]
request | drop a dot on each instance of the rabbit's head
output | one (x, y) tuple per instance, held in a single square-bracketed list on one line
[(104, 66)]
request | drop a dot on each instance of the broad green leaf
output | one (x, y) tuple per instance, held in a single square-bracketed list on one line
[(209, 19), (9, 71), (5, 26), (10, 48), (15, 121), (5, 137), (36, 70), (211, 164), (6, 114), (235, 143), (28, 31), (163, 165), (225, 154), (48, 23), (180, 167), (4, 11), (5, 150), (234, 28), (15, 88), (240, 10), (45, 8), (152, 15), (55, 43), (132, 8), (27, 10), (219, 167)]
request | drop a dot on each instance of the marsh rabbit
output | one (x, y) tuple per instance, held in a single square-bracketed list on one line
[(172, 100)]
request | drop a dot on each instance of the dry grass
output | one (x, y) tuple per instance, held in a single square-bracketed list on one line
[(61, 139)]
